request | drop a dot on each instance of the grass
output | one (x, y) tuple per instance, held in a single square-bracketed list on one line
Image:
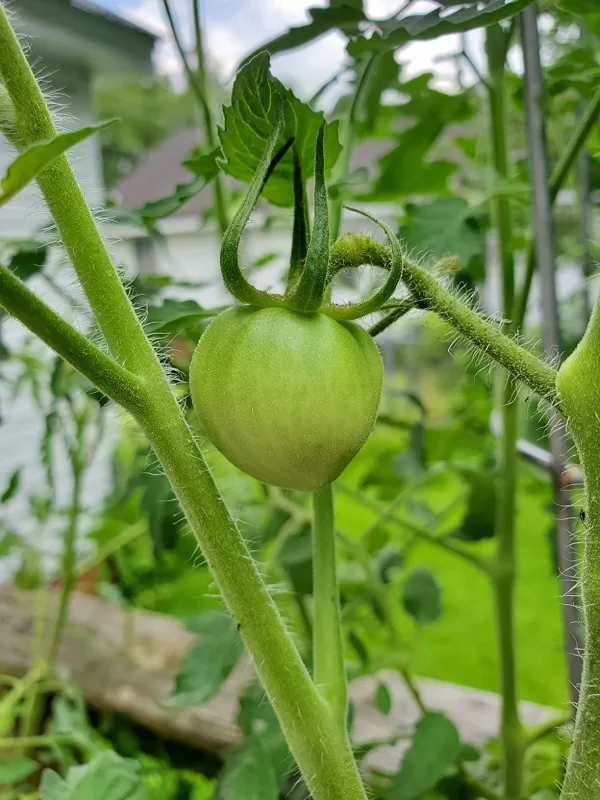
[(460, 647)]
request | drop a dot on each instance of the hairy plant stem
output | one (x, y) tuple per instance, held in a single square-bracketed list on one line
[(579, 388), (328, 640), (34, 704), (505, 566), (198, 84), (313, 733), (69, 557)]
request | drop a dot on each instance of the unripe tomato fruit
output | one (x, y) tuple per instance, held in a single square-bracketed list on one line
[(289, 398)]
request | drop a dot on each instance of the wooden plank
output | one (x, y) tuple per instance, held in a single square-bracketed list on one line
[(125, 662)]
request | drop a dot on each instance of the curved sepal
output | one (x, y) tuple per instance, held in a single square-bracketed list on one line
[(233, 277), (307, 294), (395, 265)]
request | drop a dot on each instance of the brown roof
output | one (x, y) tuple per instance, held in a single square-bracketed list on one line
[(160, 171)]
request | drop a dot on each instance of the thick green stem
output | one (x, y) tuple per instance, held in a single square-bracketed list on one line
[(112, 379), (328, 641), (579, 387), (80, 236), (313, 732), (505, 565)]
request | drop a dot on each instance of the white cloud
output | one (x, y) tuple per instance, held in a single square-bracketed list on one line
[(236, 28)]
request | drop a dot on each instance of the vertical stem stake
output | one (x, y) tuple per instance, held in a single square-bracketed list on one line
[(543, 230), (328, 643)]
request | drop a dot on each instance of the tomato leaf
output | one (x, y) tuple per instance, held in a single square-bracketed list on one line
[(434, 749), (421, 596), (202, 164), (249, 119), (16, 770), (444, 227), (28, 260), (296, 559), (174, 316), (437, 23), (106, 777), (36, 158), (251, 776), (12, 487), (383, 698), (209, 661), (345, 16)]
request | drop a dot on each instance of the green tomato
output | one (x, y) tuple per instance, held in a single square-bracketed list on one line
[(289, 398)]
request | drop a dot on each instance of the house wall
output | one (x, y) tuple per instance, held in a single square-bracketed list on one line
[(22, 423)]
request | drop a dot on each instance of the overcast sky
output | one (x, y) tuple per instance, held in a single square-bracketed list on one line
[(236, 27)]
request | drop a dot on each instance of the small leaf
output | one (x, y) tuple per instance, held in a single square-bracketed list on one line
[(445, 226), (421, 596), (469, 752), (8, 542), (29, 164), (389, 559), (423, 27), (30, 574), (16, 770), (209, 661), (12, 487), (106, 777), (252, 776), (358, 647), (169, 205), (174, 316), (296, 559), (248, 123), (383, 698), (434, 749), (28, 261), (202, 164), (344, 16)]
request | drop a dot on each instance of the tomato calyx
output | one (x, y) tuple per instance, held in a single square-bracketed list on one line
[(310, 270)]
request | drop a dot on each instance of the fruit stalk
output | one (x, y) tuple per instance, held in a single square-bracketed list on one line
[(328, 642)]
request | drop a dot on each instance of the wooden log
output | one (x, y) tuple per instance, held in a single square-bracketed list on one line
[(126, 662)]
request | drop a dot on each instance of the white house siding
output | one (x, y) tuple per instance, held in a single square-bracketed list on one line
[(22, 425)]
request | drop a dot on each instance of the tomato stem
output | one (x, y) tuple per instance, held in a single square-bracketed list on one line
[(328, 642), (307, 293), (136, 379)]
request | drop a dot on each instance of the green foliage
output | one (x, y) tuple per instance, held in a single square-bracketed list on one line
[(106, 777), (12, 487), (29, 260), (437, 23), (383, 699), (248, 122), (433, 751), (16, 770), (37, 157), (445, 226), (209, 661), (345, 15), (421, 596), (250, 776)]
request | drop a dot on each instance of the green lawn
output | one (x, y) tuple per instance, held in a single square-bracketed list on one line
[(461, 647)]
